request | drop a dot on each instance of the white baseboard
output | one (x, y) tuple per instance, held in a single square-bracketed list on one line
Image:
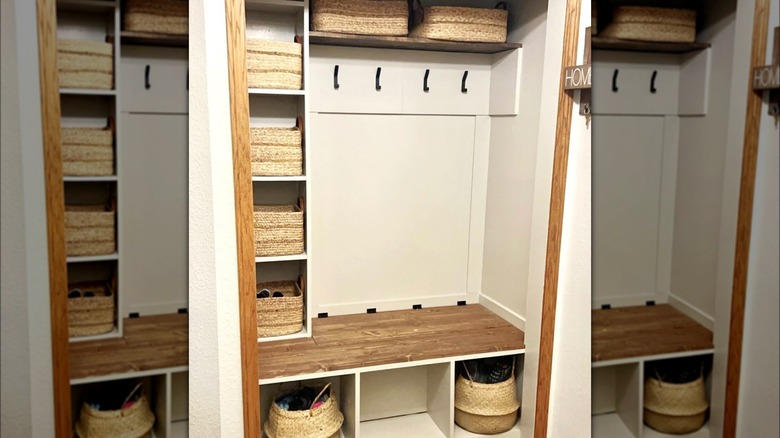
[(691, 311), (499, 309)]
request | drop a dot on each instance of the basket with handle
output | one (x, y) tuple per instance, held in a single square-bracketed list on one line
[(274, 64), (277, 151), (361, 17), (88, 151), (479, 25), (85, 64), (278, 229), (169, 17), (283, 315), (91, 308), (675, 408), (135, 421), (323, 421), (643, 23), (486, 408), (90, 229)]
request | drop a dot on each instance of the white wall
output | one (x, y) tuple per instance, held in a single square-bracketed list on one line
[(216, 403), (759, 391), (571, 371), (26, 393)]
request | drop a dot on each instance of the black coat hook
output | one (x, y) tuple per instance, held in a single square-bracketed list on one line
[(652, 82), (378, 74), (463, 88), (425, 80), (336, 77), (614, 81), (147, 85)]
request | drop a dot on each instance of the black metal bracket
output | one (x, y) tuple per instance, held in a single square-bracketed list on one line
[(134, 315), (336, 77), (463, 88), (371, 310), (378, 74), (322, 315), (652, 82), (147, 85), (606, 306), (461, 303), (650, 303), (614, 81), (416, 306), (425, 80), (182, 310)]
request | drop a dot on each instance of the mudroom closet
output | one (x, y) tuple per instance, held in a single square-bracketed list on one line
[(392, 198), (120, 317), (667, 152)]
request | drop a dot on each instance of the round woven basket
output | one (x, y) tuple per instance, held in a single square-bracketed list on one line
[(133, 422), (89, 316), (274, 64), (361, 17), (451, 23), (276, 151), (278, 316), (278, 230), (486, 408), (652, 24), (675, 408), (323, 422)]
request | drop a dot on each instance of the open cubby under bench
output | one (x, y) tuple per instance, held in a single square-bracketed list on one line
[(644, 331), (350, 342), (148, 344)]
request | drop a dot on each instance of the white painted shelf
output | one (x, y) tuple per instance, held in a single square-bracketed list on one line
[(514, 432), (301, 334), (704, 432), (96, 258), (112, 334), (278, 178), (277, 92), (289, 258), (609, 426), (407, 426), (110, 178), (87, 92), (86, 5), (289, 6)]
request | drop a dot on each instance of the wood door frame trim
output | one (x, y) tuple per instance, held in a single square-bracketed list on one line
[(235, 22), (745, 220), (555, 222), (46, 11)]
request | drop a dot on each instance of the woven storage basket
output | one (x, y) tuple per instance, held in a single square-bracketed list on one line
[(652, 24), (278, 316), (675, 408), (462, 24), (278, 230), (85, 64), (361, 17), (87, 152), (157, 16), (276, 151), (89, 230), (89, 316), (133, 422), (323, 422), (486, 408), (274, 64)]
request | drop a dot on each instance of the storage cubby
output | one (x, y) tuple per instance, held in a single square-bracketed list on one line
[(179, 396), (288, 271)]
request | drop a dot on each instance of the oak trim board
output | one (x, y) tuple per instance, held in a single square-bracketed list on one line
[(744, 221), (55, 213), (235, 17), (555, 225)]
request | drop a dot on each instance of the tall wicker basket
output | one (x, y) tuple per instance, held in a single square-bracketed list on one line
[(276, 151), (135, 421), (88, 151), (274, 64), (478, 25), (85, 64), (361, 17), (279, 229), (675, 408), (322, 422), (90, 229), (157, 16), (277, 316), (486, 408), (91, 315)]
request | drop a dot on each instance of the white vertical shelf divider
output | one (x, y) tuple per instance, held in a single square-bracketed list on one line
[(117, 160), (307, 302)]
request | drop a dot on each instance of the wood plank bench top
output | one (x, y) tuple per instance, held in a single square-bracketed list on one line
[(364, 340), (147, 343), (627, 332)]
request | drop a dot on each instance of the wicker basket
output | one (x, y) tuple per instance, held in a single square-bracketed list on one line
[(87, 151), (278, 316), (133, 422), (276, 151), (486, 408), (361, 17), (85, 64), (94, 315), (89, 230), (278, 229), (462, 24), (652, 24), (274, 64), (675, 408), (323, 422), (157, 16)]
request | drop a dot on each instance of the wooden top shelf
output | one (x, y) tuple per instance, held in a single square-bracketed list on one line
[(147, 343), (604, 43), (409, 43), (154, 39), (364, 340), (633, 332)]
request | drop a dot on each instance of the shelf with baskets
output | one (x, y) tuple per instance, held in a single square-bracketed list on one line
[(407, 43)]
